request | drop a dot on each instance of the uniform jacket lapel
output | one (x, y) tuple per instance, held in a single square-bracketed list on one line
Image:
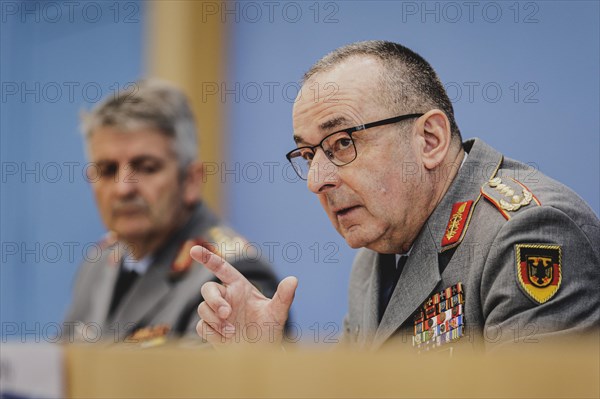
[(144, 296), (371, 304), (153, 288), (418, 279), (421, 273), (102, 289)]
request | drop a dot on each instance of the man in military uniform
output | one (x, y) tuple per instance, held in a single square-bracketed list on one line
[(457, 239), (146, 178)]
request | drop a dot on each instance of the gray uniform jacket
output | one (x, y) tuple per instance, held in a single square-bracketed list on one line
[(169, 292), (495, 251)]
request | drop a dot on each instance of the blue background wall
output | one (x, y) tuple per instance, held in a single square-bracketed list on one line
[(543, 56)]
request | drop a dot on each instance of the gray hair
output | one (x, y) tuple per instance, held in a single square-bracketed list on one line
[(407, 79), (149, 103)]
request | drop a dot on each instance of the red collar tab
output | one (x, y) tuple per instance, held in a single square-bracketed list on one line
[(457, 223)]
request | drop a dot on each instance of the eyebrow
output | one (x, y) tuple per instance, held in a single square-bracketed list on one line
[(146, 158), (333, 123), (135, 161), (325, 126)]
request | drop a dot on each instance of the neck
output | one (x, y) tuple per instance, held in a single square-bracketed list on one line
[(445, 175), (451, 166), (441, 180), (139, 249), (143, 246)]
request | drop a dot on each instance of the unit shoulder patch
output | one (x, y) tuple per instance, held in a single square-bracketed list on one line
[(539, 270), (508, 195)]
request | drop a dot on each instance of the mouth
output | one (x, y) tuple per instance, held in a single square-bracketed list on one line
[(128, 211), (346, 211)]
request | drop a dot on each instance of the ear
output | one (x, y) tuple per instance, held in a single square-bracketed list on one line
[(192, 183), (435, 136)]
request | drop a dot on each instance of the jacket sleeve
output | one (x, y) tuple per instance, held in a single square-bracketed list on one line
[(511, 313)]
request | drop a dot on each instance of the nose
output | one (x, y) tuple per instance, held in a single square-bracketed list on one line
[(323, 174), (125, 183)]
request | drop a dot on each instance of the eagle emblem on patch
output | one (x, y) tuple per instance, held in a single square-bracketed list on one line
[(539, 270)]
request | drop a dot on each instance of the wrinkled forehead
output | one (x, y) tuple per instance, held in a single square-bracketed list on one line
[(344, 96), (354, 73)]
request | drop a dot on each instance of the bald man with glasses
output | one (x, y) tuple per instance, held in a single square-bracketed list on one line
[(454, 245)]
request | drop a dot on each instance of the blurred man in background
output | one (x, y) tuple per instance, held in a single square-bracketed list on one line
[(146, 178)]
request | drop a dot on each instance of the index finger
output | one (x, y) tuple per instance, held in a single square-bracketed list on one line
[(223, 270)]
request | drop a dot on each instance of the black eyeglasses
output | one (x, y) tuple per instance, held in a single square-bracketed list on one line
[(338, 146)]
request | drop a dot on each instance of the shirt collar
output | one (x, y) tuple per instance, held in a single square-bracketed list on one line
[(139, 266)]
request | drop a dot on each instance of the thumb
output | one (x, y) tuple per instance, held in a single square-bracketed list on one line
[(284, 296)]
